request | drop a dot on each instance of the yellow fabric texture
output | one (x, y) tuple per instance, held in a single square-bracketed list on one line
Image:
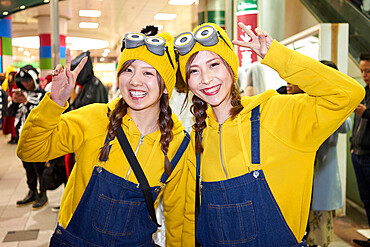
[(292, 127), (8, 69), (48, 134), (161, 63), (226, 51)]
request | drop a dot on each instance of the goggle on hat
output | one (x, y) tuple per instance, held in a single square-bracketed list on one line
[(206, 37), (158, 51)]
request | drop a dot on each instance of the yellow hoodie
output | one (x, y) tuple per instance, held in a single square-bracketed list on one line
[(292, 127), (48, 134)]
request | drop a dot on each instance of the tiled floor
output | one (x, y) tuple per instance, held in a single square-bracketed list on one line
[(13, 187)]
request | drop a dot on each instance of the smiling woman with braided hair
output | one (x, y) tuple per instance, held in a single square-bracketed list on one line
[(105, 202)]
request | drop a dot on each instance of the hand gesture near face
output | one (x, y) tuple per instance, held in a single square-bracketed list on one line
[(64, 80), (259, 43)]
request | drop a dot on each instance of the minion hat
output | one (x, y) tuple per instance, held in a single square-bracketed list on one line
[(224, 48), (166, 68)]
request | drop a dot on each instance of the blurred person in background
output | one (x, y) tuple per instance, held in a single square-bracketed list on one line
[(360, 143), (26, 98), (8, 121)]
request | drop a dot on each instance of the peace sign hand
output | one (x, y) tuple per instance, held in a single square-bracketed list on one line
[(259, 43), (64, 80)]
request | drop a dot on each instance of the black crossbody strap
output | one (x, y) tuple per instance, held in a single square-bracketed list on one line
[(140, 176)]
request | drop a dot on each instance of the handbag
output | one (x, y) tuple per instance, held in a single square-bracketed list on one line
[(54, 174)]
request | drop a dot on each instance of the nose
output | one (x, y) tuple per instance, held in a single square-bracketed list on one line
[(135, 79), (207, 77)]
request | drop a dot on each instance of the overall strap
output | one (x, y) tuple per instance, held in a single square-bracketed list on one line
[(255, 135), (144, 185), (180, 151), (197, 190)]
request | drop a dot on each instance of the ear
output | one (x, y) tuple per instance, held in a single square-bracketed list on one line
[(165, 91)]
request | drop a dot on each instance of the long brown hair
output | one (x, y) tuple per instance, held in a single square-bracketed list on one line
[(165, 121), (199, 107)]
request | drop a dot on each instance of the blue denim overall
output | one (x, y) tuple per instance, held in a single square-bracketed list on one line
[(112, 212), (242, 211)]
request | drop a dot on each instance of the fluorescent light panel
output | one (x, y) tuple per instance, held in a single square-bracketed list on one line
[(165, 17), (89, 13), (88, 25), (181, 2)]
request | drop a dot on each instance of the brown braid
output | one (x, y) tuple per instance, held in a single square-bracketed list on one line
[(115, 121), (165, 123), (199, 107)]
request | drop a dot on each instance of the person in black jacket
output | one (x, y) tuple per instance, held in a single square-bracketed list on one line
[(24, 100), (360, 143), (90, 88)]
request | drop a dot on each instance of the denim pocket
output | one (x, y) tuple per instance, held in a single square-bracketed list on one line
[(115, 217), (232, 223)]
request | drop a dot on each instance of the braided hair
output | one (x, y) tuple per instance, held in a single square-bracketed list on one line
[(165, 122)]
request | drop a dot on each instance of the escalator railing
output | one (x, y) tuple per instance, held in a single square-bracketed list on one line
[(339, 11)]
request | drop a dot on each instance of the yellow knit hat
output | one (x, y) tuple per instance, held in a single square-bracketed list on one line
[(226, 51), (166, 68)]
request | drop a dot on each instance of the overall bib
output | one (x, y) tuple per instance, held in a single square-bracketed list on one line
[(242, 211), (112, 212)]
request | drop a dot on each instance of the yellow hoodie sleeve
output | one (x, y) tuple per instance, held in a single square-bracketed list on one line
[(188, 232), (304, 121), (48, 134)]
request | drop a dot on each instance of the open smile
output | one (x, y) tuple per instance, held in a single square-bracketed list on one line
[(137, 94), (212, 90)]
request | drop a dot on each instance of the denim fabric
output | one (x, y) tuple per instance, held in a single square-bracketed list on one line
[(361, 165), (112, 212), (242, 211)]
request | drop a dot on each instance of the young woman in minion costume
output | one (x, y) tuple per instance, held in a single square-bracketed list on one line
[(103, 204), (255, 155)]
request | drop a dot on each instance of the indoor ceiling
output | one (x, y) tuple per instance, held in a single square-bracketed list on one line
[(117, 18)]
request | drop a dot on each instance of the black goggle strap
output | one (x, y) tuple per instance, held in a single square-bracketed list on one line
[(223, 39), (169, 56)]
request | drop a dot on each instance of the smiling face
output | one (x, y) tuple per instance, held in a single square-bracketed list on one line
[(210, 80), (140, 87)]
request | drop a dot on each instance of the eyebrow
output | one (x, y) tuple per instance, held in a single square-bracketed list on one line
[(208, 61)]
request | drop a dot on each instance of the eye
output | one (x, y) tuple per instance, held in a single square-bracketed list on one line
[(192, 71), (128, 70), (215, 64)]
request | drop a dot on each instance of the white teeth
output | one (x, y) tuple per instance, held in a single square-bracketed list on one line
[(212, 89), (137, 94)]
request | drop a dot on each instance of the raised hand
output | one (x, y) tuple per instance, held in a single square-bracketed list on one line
[(259, 43), (64, 80)]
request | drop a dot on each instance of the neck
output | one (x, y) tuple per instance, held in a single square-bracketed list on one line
[(222, 111), (145, 121)]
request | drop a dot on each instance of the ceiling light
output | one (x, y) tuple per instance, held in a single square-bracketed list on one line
[(181, 2), (88, 25), (106, 51), (5, 13), (26, 53), (22, 7), (101, 59), (73, 43), (89, 13), (160, 27), (104, 54), (164, 17), (46, 1)]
